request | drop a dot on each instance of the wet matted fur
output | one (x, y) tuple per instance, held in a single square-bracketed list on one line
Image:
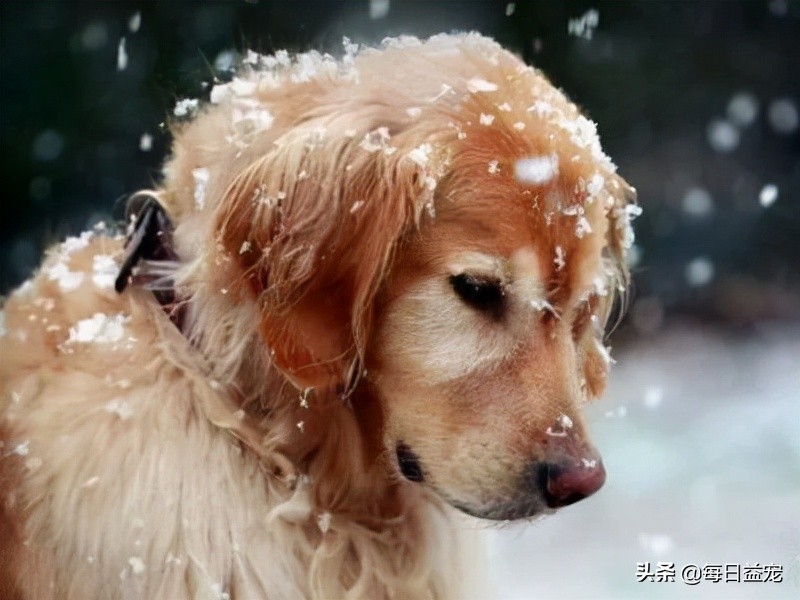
[(396, 263)]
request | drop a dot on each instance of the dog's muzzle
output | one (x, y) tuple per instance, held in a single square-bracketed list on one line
[(546, 486), (567, 471)]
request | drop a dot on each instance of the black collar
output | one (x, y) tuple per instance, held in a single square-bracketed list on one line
[(150, 240)]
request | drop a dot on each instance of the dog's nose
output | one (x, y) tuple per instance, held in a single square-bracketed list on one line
[(565, 483), (570, 468)]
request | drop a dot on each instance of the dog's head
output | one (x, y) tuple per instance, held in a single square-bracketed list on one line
[(437, 236)]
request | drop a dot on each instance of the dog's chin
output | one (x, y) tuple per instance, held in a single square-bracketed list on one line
[(523, 507), (513, 510)]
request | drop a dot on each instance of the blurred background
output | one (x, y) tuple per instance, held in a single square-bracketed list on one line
[(698, 103)]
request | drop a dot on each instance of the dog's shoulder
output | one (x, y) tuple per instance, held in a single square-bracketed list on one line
[(45, 319), (105, 429)]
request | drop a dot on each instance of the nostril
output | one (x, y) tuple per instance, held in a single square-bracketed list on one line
[(566, 484), (409, 463)]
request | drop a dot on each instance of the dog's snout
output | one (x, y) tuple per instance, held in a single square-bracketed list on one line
[(570, 468), (562, 484)]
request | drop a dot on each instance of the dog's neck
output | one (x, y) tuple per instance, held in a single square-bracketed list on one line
[(308, 429)]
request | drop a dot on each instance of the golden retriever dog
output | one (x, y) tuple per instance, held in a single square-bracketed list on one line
[(369, 296)]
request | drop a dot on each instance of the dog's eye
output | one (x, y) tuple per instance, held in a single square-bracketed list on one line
[(485, 295)]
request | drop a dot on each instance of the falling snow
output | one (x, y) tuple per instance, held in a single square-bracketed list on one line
[(699, 271), (722, 136), (783, 116), (135, 22), (697, 202), (94, 35), (378, 9), (584, 26), (653, 396), (658, 543), (146, 142), (779, 8), (743, 109), (768, 195), (122, 56)]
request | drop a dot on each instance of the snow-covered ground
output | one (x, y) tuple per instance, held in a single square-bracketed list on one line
[(700, 434)]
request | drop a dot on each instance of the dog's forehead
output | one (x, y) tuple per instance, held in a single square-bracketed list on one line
[(500, 220), (503, 196)]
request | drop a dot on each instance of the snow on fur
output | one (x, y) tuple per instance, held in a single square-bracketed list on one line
[(98, 329), (536, 169)]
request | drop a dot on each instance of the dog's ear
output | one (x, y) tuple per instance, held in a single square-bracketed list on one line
[(621, 208), (311, 228)]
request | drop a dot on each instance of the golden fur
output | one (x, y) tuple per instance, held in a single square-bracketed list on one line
[(320, 207)]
